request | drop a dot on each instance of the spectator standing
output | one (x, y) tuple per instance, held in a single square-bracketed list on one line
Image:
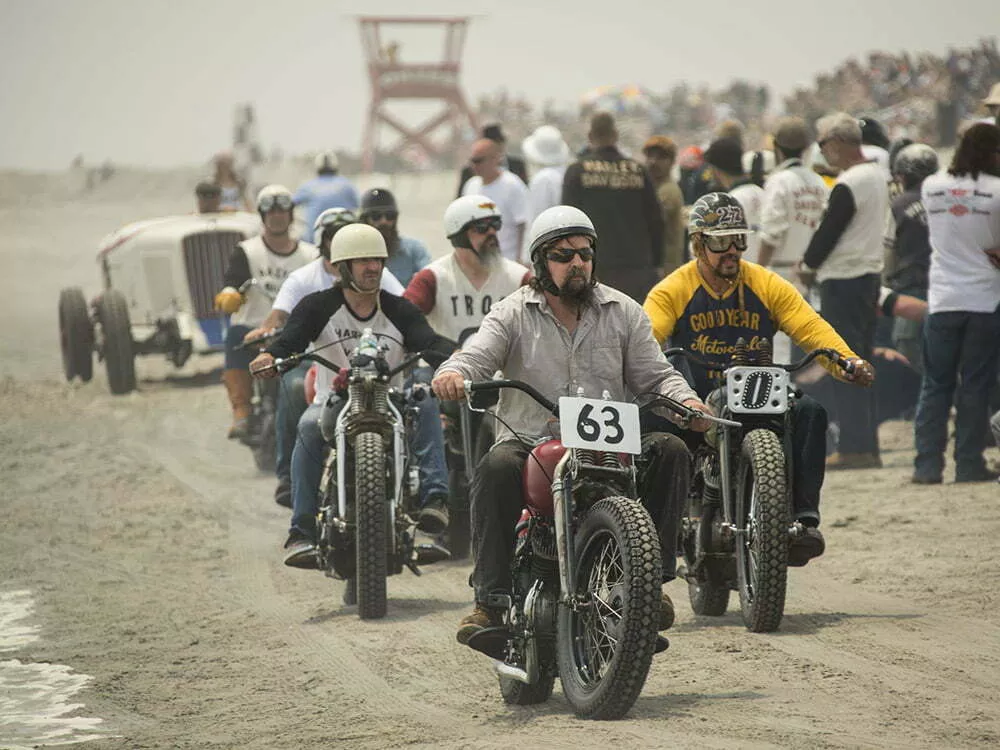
[(494, 132), (505, 189), (845, 257), (992, 103), (962, 330), (618, 195), (661, 153), (909, 256), (233, 187), (327, 189), (546, 149)]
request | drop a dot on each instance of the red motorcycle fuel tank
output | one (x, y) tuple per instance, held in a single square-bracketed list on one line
[(538, 483)]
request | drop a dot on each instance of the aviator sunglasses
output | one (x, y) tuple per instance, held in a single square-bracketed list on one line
[(565, 254), (389, 215), (482, 226), (721, 244)]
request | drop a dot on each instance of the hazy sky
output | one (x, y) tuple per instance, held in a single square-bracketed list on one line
[(155, 81)]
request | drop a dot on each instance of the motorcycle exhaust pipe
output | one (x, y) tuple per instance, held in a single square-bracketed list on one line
[(514, 673)]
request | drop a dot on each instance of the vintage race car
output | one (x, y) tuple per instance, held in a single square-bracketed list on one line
[(160, 278)]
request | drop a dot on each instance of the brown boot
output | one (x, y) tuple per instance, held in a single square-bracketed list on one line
[(840, 461), (239, 386)]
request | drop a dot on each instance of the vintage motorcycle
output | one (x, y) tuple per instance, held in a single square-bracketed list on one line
[(370, 483), (737, 526), (261, 435), (586, 571)]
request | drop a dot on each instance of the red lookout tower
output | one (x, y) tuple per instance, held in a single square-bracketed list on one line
[(392, 79)]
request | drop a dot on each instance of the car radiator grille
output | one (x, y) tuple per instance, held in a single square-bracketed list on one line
[(206, 255)]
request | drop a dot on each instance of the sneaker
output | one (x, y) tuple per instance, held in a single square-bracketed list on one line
[(838, 461), (283, 492), (434, 515), (805, 546), (666, 612), (480, 619), (239, 430), (300, 551)]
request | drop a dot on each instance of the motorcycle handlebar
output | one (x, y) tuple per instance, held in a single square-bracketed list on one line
[(493, 385), (832, 354)]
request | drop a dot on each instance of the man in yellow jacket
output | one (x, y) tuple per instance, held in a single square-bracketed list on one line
[(717, 298)]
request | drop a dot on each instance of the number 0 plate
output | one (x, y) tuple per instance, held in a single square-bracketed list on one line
[(599, 425)]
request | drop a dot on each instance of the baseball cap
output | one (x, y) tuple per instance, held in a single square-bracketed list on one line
[(725, 154), (791, 133)]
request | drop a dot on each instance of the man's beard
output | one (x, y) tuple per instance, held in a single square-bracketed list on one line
[(390, 233), (489, 250), (573, 292), (731, 272)]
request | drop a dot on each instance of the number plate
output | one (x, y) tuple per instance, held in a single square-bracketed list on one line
[(599, 425), (757, 390)]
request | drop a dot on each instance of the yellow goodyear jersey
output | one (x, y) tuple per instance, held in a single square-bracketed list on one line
[(683, 308)]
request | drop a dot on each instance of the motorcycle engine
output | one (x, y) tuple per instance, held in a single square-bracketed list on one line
[(540, 609)]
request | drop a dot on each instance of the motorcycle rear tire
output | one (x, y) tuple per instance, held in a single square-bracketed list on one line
[(707, 596), (762, 509), (372, 527), (616, 536)]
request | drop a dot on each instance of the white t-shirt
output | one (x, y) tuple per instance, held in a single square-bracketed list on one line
[(270, 270), (794, 200), (452, 303), (858, 252), (315, 278), (545, 189), (963, 219), (511, 196), (878, 155), (751, 197)]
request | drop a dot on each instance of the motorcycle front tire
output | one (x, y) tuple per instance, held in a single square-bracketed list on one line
[(619, 575), (762, 552), (372, 527)]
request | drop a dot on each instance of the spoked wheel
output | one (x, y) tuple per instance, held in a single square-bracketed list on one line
[(762, 550), (76, 335), (708, 594), (605, 645), (372, 512)]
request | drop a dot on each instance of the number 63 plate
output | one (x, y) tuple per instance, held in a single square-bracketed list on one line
[(599, 425)]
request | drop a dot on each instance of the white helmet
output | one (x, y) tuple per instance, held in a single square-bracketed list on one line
[(271, 196), (356, 241), (462, 211), (556, 222), (331, 217), (326, 161)]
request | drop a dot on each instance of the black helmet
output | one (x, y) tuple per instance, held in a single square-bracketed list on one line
[(872, 133), (915, 163), (717, 214), (378, 199)]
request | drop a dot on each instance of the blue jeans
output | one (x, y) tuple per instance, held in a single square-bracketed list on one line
[(427, 443), (238, 359), (961, 350), (291, 405)]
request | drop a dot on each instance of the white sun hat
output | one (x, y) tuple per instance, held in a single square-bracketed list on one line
[(546, 147)]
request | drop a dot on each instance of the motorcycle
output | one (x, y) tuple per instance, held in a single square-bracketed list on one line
[(261, 435), (737, 526), (370, 482), (586, 571)]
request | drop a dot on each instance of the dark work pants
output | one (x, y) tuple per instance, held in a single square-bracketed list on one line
[(849, 306), (960, 364), (497, 499)]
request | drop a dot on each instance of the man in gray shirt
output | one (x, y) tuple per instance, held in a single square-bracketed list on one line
[(562, 332)]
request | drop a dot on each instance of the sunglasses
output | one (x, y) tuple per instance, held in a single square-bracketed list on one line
[(389, 215), (482, 226), (721, 244), (477, 160), (823, 141), (565, 254), (270, 202)]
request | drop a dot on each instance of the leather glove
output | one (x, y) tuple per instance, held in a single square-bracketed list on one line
[(864, 373), (228, 300)]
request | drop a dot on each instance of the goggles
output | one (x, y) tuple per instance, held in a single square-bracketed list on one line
[(565, 254), (482, 226), (378, 214), (722, 243), (282, 202), (341, 217)]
